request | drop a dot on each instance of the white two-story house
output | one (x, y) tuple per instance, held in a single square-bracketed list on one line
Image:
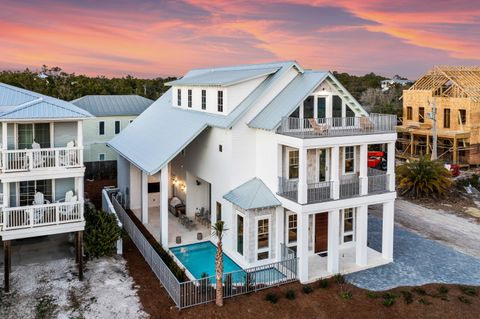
[(277, 152), (41, 167)]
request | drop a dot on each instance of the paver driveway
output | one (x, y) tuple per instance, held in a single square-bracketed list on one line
[(417, 261)]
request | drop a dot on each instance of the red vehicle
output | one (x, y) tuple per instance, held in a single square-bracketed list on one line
[(454, 170), (377, 159)]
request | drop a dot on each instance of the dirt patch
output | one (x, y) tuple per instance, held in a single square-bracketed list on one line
[(335, 301)]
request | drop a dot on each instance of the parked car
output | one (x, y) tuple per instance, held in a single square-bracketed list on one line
[(377, 160)]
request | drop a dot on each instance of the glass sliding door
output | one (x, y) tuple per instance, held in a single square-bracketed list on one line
[(321, 106), (28, 189), (29, 133), (25, 136), (42, 134), (308, 108), (322, 166)]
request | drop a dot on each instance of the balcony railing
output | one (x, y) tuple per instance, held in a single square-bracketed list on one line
[(338, 126), (38, 159), (377, 181), (319, 192), (288, 188), (12, 218), (349, 186)]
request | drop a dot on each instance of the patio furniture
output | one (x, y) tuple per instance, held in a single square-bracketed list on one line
[(318, 128), (38, 160), (178, 239), (67, 212), (68, 157), (199, 236), (67, 198), (38, 212), (176, 206), (366, 124), (39, 199)]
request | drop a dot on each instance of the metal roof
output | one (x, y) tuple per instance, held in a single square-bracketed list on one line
[(223, 77), (293, 94), (162, 131), (253, 194), (21, 104), (111, 105)]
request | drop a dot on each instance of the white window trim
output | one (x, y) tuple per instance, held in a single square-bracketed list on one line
[(237, 212), (99, 154), (342, 228), (267, 249), (104, 128), (287, 229), (354, 160)]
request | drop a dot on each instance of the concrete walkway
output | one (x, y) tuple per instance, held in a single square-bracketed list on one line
[(417, 261)]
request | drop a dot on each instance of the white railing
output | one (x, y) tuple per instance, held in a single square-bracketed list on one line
[(1, 199), (41, 215), (107, 206), (319, 192), (338, 126), (37, 159)]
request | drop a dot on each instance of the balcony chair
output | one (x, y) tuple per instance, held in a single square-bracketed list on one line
[(68, 157), (67, 198), (366, 124), (39, 212), (37, 157), (67, 211), (321, 129)]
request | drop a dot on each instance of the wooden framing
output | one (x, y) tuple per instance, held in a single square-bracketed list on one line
[(455, 90)]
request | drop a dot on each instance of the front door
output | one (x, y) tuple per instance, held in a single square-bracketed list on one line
[(321, 232)]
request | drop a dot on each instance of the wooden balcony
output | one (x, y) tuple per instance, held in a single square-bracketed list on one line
[(41, 159)]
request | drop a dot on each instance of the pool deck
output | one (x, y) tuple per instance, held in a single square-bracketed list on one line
[(417, 261)]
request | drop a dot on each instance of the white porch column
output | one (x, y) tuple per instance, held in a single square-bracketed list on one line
[(80, 139), (363, 169), (280, 230), (79, 188), (391, 166), (333, 241), (6, 194), (144, 197), (302, 176), (164, 206), (388, 229), (334, 161), (4, 144), (361, 236), (302, 246)]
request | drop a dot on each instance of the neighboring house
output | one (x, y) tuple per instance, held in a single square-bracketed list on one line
[(455, 92), (396, 80), (112, 114), (41, 171), (277, 152)]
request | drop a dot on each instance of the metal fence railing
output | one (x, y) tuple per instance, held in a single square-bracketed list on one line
[(288, 188), (377, 183), (319, 192), (338, 126), (349, 186), (203, 290)]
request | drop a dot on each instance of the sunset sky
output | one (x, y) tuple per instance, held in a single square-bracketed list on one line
[(150, 38)]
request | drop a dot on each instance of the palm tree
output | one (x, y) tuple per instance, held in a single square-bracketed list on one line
[(218, 229), (423, 178)]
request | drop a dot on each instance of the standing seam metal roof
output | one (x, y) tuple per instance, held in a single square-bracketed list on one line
[(112, 105), (253, 194)]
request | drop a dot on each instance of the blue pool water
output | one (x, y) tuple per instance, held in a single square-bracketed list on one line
[(200, 258)]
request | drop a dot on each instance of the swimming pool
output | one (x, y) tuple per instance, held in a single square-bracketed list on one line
[(199, 259)]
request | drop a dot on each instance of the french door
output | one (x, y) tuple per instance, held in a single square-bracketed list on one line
[(29, 133), (28, 189)]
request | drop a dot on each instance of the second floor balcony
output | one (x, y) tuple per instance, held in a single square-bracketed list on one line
[(338, 126)]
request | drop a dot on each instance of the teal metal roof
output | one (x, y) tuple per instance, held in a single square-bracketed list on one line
[(221, 77), (21, 104), (294, 94), (112, 105), (162, 131), (253, 194)]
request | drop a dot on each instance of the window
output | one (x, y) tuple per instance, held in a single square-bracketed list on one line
[(293, 164), (336, 106), (421, 114), (446, 118), (29, 133), (220, 148), (263, 239), (189, 98), (308, 108), (409, 113), (292, 228), (321, 106), (131, 121), (240, 234), (101, 128), (204, 99), (117, 127), (219, 211), (101, 157), (179, 97), (349, 112), (462, 116), (28, 189), (154, 187), (348, 225), (349, 162), (220, 101)]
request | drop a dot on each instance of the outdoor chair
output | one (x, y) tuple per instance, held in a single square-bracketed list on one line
[(366, 124), (68, 157), (37, 157), (67, 211), (321, 129), (68, 197), (39, 212)]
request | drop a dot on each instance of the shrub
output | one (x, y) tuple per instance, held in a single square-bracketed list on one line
[(372, 295), (45, 307), (423, 178), (271, 297), (469, 291), (419, 291), (307, 289), (347, 294), (323, 283), (339, 278), (443, 290), (101, 233), (424, 301), (389, 299), (464, 299), (407, 296), (290, 295)]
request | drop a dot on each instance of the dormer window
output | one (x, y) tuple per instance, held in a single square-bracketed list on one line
[(189, 98), (220, 101), (179, 97), (204, 99)]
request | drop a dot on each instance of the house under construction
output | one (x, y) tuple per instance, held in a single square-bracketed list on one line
[(455, 91)]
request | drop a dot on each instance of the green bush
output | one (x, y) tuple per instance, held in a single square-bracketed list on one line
[(389, 299), (372, 295), (407, 296), (290, 295), (271, 297), (339, 279), (347, 294), (443, 290), (307, 289), (469, 291), (323, 283), (464, 299), (101, 233), (419, 291)]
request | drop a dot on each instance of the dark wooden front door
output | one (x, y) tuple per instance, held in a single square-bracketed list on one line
[(321, 232)]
